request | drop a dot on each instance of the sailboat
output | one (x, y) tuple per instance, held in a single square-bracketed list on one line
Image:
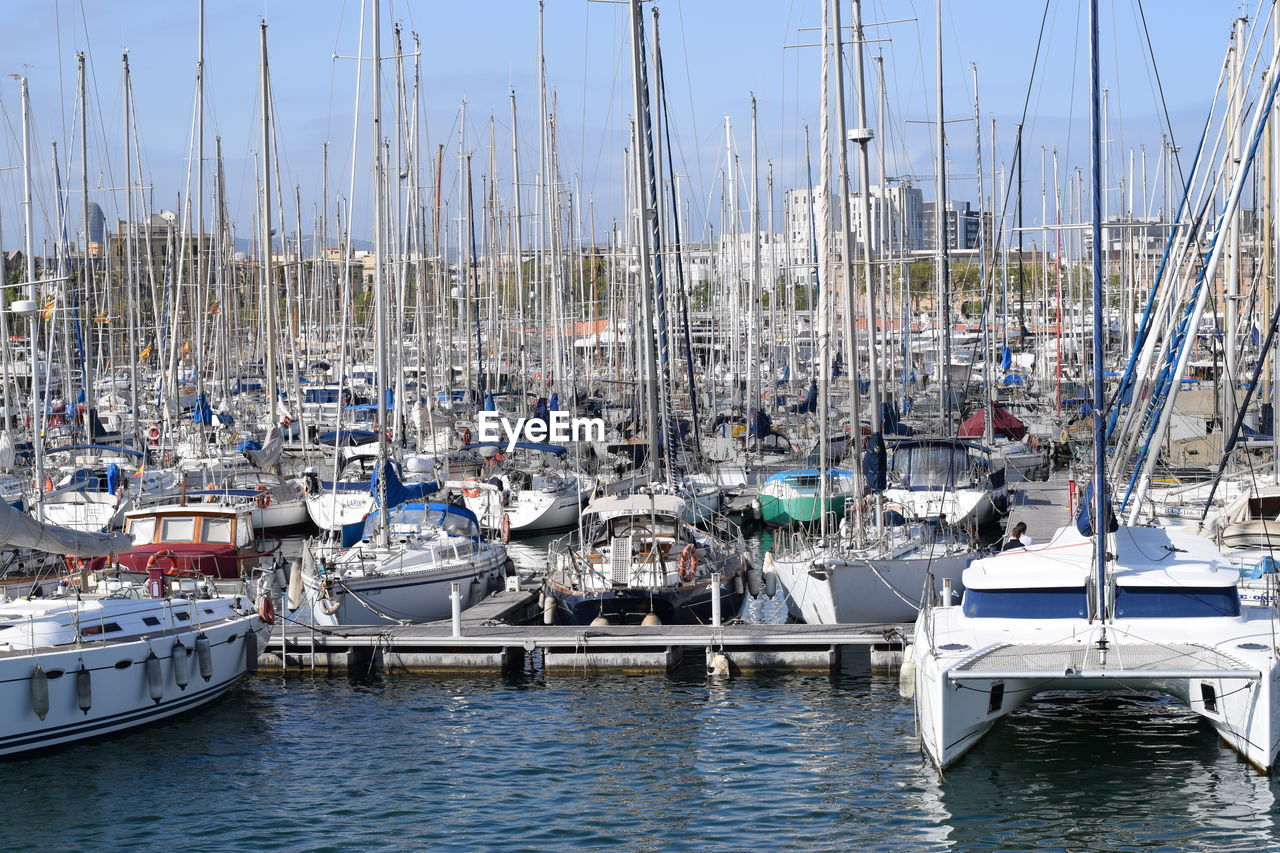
[(76, 663), (411, 551), (636, 561), (1100, 606)]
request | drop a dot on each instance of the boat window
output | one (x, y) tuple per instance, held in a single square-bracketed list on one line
[(180, 528), (143, 530), (1143, 602), (931, 466), (419, 518), (217, 530), (458, 524), (803, 481), (643, 526), (1047, 603), (1267, 507), (92, 630)]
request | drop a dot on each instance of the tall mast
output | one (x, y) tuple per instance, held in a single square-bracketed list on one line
[(943, 271), (754, 398), (29, 248), (198, 255), (1099, 428), (846, 255), (130, 289), (268, 277), (517, 238), (862, 135), (86, 346), (379, 294), (648, 221)]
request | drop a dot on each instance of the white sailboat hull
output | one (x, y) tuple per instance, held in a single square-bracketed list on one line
[(404, 587), (119, 698), (834, 591)]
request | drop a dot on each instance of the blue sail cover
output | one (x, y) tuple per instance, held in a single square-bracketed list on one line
[(203, 412), (875, 464), (114, 476), (1084, 521), (398, 492), (890, 424), (810, 402)]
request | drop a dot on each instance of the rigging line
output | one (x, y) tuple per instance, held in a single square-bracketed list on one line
[(1017, 142), (1164, 106)]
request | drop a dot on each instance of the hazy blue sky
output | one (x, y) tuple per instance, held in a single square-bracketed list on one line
[(717, 52)]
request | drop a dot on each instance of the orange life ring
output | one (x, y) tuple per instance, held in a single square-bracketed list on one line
[(153, 433), (506, 528), (165, 554), (263, 499), (688, 563), (266, 610), (472, 491)]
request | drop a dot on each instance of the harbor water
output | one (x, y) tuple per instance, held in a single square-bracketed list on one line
[(677, 762)]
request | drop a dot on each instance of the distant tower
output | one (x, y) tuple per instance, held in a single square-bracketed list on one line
[(97, 230)]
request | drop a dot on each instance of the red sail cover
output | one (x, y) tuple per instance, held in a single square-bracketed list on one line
[(1003, 423)]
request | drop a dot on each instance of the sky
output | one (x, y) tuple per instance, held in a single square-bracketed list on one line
[(717, 54)]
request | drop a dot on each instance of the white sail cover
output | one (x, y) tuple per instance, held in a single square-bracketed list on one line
[(271, 452), (8, 452), (18, 530)]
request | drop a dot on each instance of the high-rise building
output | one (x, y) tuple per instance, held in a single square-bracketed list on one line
[(964, 226), (898, 222)]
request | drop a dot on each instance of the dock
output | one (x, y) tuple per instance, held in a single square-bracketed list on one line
[(485, 644), (1043, 505)]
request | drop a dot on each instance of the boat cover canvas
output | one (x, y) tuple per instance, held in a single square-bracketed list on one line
[(1002, 423), (18, 530)]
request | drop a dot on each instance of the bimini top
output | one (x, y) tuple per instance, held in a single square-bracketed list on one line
[(613, 506), (1145, 557), (454, 520)]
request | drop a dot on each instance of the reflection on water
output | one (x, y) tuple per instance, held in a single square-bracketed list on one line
[(1087, 771), (653, 763)]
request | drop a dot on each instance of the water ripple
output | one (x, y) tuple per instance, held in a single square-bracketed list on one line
[(682, 762)]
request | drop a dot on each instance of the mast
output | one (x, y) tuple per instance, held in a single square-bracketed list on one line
[(379, 287), (129, 265), (86, 346), (846, 257), (268, 277), (37, 413), (517, 238), (648, 240), (198, 256), (1099, 424), (862, 134), (943, 271)]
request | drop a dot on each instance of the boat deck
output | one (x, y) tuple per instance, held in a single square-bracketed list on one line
[(1123, 660)]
